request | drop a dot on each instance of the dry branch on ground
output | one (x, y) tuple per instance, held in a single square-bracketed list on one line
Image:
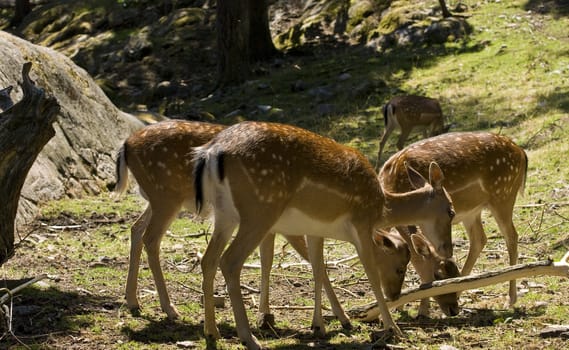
[(370, 312)]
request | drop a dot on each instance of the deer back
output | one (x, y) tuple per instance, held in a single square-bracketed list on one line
[(478, 166), (285, 166), (481, 169), (413, 110), (157, 156)]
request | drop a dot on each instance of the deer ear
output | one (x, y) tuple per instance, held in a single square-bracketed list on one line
[(421, 245), (436, 176), (417, 180), (384, 242)]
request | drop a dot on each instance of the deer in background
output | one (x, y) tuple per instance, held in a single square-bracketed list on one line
[(407, 112), (266, 177), (157, 157), (482, 170)]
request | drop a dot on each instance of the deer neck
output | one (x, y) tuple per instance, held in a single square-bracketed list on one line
[(405, 208)]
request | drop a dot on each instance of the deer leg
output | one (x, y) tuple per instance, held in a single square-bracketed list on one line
[(248, 237), (403, 137), (299, 244), (136, 233), (424, 308), (477, 239), (159, 222), (315, 252), (503, 216), (389, 127), (210, 261), (265, 319), (368, 260), (337, 308)]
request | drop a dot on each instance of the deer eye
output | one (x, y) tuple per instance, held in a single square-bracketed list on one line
[(451, 213)]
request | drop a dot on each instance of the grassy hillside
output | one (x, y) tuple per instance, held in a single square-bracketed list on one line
[(508, 75)]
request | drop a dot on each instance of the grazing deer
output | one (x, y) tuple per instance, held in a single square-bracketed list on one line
[(482, 170), (157, 157), (431, 266), (266, 177), (407, 112)]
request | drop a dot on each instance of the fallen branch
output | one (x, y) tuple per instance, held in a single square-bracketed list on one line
[(63, 228), (295, 307), (11, 292), (370, 312), (329, 264), (539, 205)]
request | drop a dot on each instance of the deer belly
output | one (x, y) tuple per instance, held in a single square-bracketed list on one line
[(469, 200), (295, 222)]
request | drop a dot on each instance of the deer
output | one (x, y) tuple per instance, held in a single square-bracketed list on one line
[(430, 266), (155, 155), (483, 170), (267, 177), (407, 112)]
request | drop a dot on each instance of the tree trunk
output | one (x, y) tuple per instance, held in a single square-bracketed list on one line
[(233, 41), (25, 128), (23, 7), (261, 46)]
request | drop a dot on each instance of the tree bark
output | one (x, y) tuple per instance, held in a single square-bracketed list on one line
[(25, 128), (233, 41), (261, 44)]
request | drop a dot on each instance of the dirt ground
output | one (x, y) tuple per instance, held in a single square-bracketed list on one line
[(80, 305)]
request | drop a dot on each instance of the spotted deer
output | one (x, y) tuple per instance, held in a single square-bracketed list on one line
[(157, 157), (407, 112), (430, 266), (267, 177), (482, 170)]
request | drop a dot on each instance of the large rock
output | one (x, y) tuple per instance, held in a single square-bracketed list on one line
[(89, 130)]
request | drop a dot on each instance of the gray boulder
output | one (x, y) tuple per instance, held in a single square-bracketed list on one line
[(79, 160)]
